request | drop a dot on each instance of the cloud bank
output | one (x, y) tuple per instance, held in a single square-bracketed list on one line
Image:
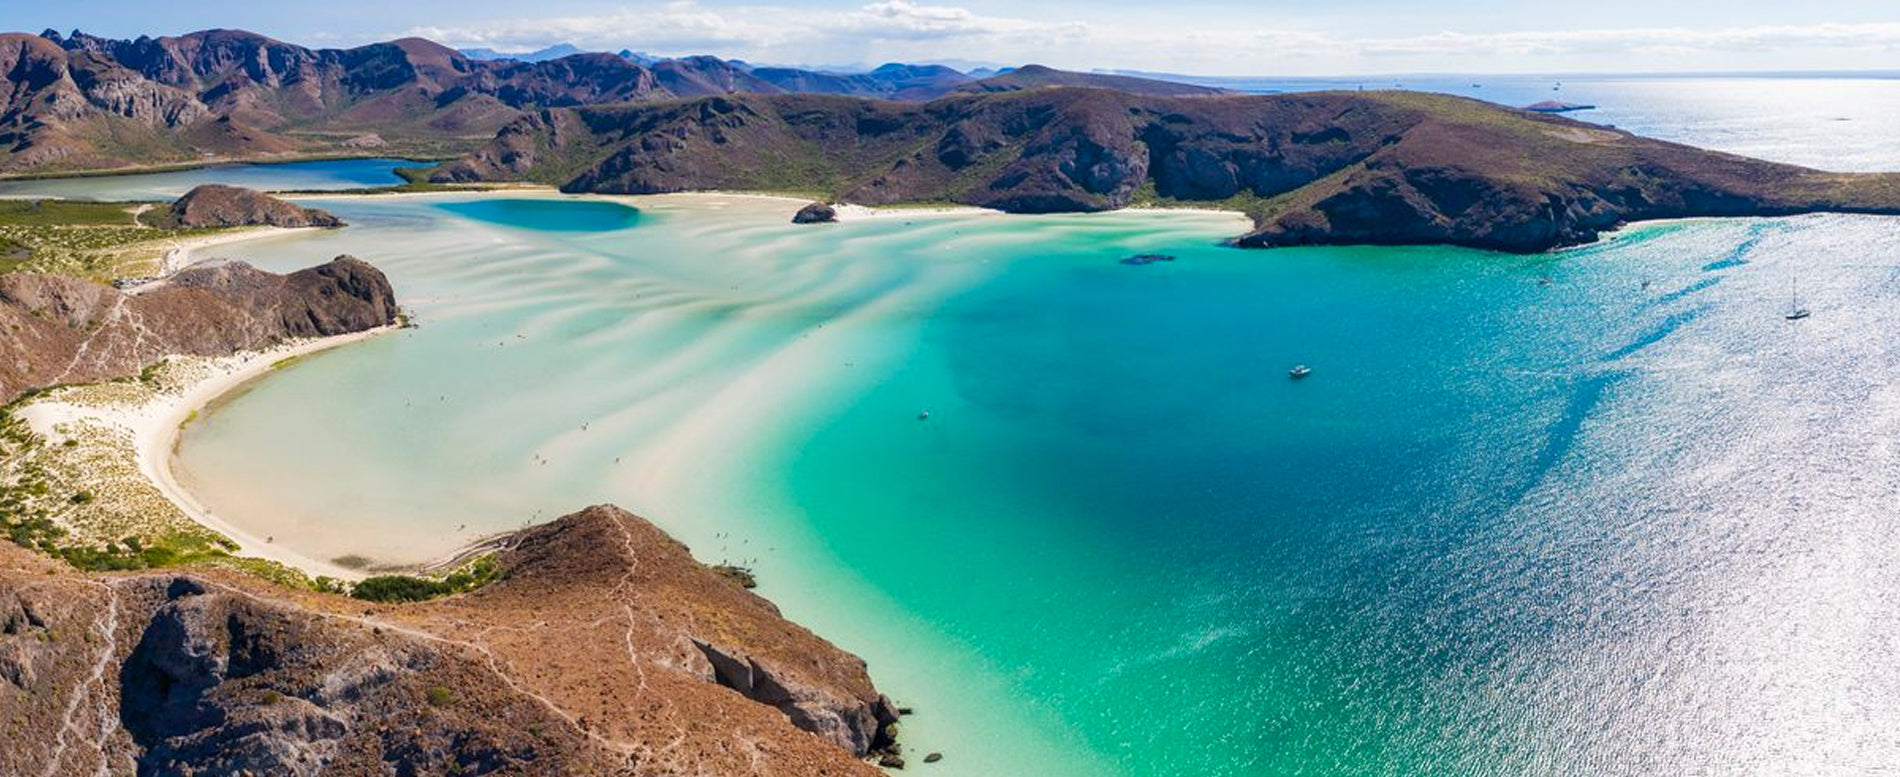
[(894, 30)]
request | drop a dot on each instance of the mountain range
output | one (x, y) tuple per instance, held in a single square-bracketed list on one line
[(1315, 168), (1312, 168), (79, 102)]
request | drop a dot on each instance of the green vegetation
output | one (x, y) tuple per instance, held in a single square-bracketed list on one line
[(407, 588), (420, 150), (32, 501), (98, 240), (415, 179), (1244, 201), (67, 213), (439, 696)]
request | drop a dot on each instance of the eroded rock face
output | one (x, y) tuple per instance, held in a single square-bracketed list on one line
[(217, 205), (590, 658), (681, 614), (58, 330)]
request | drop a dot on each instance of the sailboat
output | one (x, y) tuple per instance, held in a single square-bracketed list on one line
[(1796, 310)]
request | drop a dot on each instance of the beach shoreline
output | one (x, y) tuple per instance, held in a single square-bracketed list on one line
[(157, 424), (180, 254)]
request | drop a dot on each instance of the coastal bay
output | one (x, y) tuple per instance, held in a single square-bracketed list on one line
[(1124, 542), (764, 408)]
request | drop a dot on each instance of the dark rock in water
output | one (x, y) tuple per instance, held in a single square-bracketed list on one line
[(1141, 259), (891, 761), (816, 213), (933, 758), (216, 205)]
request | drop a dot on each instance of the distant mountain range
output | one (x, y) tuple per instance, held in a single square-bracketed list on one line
[(555, 51), (79, 101)]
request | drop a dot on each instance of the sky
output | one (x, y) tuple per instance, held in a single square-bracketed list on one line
[(1201, 37)]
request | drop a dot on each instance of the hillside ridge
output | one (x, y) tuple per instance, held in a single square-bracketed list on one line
[(1321, 168)]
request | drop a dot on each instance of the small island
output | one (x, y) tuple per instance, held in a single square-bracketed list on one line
[(1557, 106)]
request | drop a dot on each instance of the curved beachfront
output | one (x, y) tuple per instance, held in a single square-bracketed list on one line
[(1123, 541)]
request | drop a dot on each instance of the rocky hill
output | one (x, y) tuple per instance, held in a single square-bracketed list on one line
[(605, 650), (78, 101), (1320, 168), (216, 205), (57, 330)]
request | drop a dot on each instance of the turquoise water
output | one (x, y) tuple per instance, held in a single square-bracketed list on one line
[(547, 215), (1597, 512)]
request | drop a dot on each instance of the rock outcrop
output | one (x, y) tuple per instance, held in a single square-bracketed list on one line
[(217, 205), (1319, 168), (589, 658), (57, 330), (815, 213)]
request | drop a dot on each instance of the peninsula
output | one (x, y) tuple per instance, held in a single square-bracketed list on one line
[(1386, 168)]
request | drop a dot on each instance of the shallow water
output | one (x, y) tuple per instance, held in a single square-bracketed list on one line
[(1598, 512), (1507, 527)]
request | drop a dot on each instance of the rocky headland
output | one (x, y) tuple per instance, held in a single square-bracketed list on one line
[(57, 330), (1388, 168), (216, 205), (604, 649)]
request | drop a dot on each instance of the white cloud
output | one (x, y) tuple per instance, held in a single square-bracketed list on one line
[(906, 30)]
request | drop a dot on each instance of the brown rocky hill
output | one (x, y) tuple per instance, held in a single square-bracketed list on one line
[(56, 330), (607, 650), (217, 205), (1319, 168), (79, 101)]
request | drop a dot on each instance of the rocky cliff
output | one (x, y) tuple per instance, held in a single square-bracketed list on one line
[(216, 205), (606, 650), (58, 330), (1323, 168)]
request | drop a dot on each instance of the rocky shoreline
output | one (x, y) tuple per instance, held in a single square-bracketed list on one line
[(664, 666), (601, 646)]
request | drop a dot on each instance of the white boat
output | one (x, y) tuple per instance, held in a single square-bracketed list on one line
[(1299, 371), (1796, 310)]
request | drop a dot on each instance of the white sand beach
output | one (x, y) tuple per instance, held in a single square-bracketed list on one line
[(156, 424), (183, 253)]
